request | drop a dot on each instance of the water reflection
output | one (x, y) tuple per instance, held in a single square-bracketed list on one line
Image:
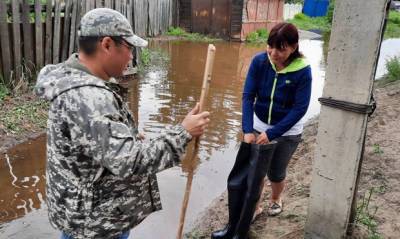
[(22, 180)]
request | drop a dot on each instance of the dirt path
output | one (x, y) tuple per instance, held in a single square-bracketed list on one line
[(380, 172)]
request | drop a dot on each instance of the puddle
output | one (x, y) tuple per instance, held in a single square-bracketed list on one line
[(164, 96)]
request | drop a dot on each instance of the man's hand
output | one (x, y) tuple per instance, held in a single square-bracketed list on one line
[(249, 138), (262, 139), (194, 122), (140, 136)]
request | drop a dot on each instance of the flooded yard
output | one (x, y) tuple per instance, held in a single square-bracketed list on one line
[(162, 96), (165, 92)]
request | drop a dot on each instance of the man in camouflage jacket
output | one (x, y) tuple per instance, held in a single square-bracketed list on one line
[(100, 176)]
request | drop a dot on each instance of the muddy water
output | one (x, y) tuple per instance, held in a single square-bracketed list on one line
[(163, 96)]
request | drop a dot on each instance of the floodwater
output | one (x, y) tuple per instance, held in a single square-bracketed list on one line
[(164, 94)]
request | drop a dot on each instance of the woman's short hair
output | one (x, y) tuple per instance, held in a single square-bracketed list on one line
[(283, 35)]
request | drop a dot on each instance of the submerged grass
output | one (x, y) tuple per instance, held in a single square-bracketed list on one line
[(195, 37), (150, 57)]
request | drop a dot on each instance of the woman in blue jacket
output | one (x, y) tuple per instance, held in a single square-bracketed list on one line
[(275, 99), (276, 96)]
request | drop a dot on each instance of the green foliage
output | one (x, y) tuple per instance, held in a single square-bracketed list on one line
[(176, 31), (324, 23), (393, 70), (151, 57), (145, 56), (393, 25), (365, 217), (3, 91), (195, 37), (258, 36), (331, 8), (307, 23), (377, 149), (25, 115)]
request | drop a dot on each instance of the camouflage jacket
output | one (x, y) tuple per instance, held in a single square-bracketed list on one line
[(100, 178)]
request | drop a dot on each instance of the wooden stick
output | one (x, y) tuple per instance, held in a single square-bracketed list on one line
[(204, 90)]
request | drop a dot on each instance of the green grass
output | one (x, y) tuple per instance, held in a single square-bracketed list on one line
[(393, 72), (393, 25), (324, 23), (259, 36), (307, 23), (366, 215), (195, 37), (3, 92), (25, 116), (150, 57), (145, 56), (377, 149)]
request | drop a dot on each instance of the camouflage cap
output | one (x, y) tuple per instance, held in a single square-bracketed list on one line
[(108, 22)]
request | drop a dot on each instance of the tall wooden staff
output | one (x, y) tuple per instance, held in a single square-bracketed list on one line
[(204, 90)]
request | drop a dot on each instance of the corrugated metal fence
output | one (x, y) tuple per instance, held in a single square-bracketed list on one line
[(45, 32)]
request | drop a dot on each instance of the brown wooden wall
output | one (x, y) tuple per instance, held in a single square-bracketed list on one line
[(261, 14), (229, 19)]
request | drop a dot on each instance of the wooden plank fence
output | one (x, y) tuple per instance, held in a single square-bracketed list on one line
[(34, 33)]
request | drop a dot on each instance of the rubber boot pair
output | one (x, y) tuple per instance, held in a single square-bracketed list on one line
[(244, 188)]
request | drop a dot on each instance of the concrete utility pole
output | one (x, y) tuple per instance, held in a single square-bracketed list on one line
[(354, 46)]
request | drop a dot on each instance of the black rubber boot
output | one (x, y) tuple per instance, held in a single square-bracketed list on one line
[(259, 161), (237, 181)]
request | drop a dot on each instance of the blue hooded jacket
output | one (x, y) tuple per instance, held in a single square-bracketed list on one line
[(278, 98)]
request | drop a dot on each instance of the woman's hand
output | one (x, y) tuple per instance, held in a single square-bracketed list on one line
[(249, 138), (262, 139)]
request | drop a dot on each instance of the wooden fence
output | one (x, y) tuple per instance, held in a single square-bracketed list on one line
[(46, 31)]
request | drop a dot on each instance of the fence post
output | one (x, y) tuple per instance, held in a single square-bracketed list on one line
[(38, 34), (27, 33), (56, 32), (67, 22), (5, 42), (16, 38), (49, 32)]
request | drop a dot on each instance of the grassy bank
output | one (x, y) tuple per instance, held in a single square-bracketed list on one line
[(195, 37), (22, 114), (324, 24)]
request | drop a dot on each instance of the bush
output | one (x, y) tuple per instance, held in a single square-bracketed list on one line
[(176, 31), (258, 36), (393, 69)]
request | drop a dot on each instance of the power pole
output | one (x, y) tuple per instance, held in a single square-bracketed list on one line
[(354, 46)]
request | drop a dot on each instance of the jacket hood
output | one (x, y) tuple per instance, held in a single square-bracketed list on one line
[(296, 65), (54, 80)]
